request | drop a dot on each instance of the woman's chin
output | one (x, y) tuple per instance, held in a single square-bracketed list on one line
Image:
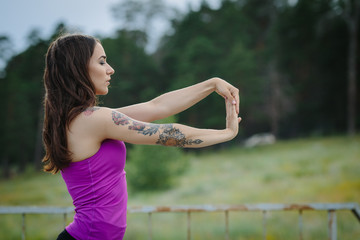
[(103, 92)]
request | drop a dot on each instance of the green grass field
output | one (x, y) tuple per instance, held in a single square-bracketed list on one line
[(315, 170)]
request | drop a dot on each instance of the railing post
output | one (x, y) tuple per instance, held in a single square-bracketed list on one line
[(150, 227), (300, 225), (227, 225), (188, 225), (264, 224), (23, 227), (65, 219), (332, 225)]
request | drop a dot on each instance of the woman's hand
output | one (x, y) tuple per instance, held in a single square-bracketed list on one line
[(232, 119), (227, 91)]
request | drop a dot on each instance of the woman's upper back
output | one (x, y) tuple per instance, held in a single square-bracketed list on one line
[(82, 138)]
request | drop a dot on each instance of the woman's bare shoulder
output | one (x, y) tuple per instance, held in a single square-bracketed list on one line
[(84, 133), (90, 120)]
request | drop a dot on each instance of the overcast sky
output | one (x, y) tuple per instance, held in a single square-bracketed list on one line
[(19, 17)]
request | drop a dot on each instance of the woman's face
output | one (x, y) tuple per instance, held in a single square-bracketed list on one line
[(100, 71)]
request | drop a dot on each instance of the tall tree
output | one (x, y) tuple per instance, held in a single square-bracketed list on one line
[(265, 15), (141, 16), (312, 56), (5, 53), (351, 14)]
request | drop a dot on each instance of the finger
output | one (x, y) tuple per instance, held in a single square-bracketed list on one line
[(235, 103), (237, 99), (222, 95), (227, 107), (227, 95), (230, 109), (235, 96)]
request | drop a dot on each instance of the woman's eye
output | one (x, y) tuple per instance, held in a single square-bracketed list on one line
[(102, 63)]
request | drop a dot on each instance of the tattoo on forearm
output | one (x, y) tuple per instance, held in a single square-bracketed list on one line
[(168, 135), (145, 129), (174, 137), (90, 110)]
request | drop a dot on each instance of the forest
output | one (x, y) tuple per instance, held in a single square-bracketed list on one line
[(294, 62)]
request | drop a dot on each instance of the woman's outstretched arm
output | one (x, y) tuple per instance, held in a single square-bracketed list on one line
[(177, 101), (115, 125)]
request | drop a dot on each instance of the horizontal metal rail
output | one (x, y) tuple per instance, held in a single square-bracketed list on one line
[(24, 210), (248, 207), (331, 208)]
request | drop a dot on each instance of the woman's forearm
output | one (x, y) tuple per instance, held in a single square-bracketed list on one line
[(188, 137), (179, 100)]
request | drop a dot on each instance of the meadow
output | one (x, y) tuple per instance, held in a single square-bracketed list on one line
[(312, 170)]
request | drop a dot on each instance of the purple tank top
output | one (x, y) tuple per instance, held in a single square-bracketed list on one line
[(97, 186)]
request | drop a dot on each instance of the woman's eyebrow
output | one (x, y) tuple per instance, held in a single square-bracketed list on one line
[(103, 56)]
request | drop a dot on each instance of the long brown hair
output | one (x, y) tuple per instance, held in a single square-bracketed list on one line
[(68, 92)]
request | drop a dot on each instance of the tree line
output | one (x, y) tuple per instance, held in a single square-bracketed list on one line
[(295, 64)]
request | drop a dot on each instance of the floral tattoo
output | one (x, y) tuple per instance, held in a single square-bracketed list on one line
[(90, 110), (174, 137), (168, 135), (120, 119)]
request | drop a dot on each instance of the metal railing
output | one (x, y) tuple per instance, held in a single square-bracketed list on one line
[(331, 208)]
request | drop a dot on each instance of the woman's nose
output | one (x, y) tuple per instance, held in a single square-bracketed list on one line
[(110, 71)]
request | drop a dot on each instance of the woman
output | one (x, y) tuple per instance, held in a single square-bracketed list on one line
[(86, 143)]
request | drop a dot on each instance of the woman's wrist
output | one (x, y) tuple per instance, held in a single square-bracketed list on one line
[(213, 82), (229, 133)]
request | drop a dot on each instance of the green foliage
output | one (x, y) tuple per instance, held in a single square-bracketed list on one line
[(155, 167)]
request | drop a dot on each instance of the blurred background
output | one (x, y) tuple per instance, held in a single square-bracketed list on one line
[(295, 62)]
